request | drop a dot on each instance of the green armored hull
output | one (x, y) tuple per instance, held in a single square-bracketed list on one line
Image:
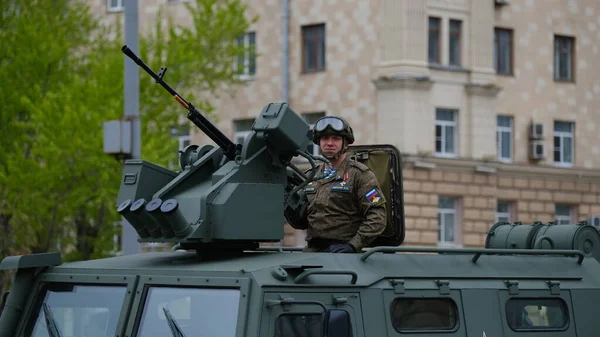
[(460, 292)]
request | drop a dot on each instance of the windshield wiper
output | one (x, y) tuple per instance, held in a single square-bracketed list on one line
[(51, 325), (175, 329)]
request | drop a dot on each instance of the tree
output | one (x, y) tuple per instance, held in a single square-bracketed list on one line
[(200, 60), (47, 110), (63, 79)]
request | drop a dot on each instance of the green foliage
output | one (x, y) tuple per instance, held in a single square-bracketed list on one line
[(55, 180), (62, 77), (199, 59)]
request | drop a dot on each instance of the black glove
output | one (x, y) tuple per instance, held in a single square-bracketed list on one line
[(341, 248)]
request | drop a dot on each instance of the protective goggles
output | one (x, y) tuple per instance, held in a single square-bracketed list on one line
[(333, 122)]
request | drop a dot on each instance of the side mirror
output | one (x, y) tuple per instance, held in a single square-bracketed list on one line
[(4, 298), (337, 323)]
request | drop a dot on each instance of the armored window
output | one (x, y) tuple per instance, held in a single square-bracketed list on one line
[(196, 311), (79, 310), (537, 314), (424, 314), (313, 48), (446, 219), (563, 143), (504, 137), (434, 40), (564, 53), (115, 5), (299, 325), (455, 30), (242, 127), (503, 211), (563, 214), (503, 51), (245, 65), (445, 132)]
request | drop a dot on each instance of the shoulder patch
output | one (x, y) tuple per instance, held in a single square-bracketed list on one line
[(359, 165), (375, 197)]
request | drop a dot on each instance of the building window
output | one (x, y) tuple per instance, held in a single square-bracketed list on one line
[(446, 219), (504, 211), (245, 65), (564, 54), (311, 118), (563, 143), (455, 42), (115, 5), (434, 40), (313, 48), (504, 135), (445, 132), (117, 248), (563, 214), (242, 127), (503, 51), (182, 133), (184, 141)]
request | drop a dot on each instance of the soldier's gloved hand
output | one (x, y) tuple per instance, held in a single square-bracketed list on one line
[(341, 248)]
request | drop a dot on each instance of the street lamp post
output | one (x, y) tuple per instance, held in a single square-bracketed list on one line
[(132, 108), (122, 138)]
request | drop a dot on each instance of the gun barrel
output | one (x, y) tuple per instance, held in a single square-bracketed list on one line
[(229, 148)]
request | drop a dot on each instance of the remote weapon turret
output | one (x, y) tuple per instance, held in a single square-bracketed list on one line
[(229, 197)]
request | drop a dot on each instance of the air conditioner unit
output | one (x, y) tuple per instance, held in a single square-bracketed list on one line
[(536, 131), (594, 220), (537, 149)]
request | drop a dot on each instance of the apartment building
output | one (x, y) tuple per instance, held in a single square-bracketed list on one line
[(495, 104)]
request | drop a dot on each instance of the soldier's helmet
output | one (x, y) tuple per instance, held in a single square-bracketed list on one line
[(330, 125)]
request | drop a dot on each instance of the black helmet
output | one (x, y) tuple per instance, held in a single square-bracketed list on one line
[(329, 125)]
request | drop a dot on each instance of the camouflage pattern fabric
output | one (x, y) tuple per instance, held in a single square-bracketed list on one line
[(345, 206)]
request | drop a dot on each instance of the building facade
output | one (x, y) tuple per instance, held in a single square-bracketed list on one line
[(494, 104)]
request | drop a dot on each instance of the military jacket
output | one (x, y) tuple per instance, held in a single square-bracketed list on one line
[(347, 204)]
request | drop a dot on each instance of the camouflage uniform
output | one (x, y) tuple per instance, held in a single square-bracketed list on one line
[(345, 207)]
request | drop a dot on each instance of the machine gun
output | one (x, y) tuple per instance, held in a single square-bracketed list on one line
[(229, 197)]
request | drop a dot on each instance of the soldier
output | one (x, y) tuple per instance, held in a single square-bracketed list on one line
[(345, 210)]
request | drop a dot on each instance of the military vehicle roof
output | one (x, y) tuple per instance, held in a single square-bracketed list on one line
[(261, 265)]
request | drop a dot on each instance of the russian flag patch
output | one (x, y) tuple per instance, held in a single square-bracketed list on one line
[(373, 196)]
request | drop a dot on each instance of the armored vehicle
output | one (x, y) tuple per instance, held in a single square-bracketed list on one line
[(221, 279)]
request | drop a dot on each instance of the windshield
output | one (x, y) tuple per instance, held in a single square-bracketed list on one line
[(80, 310), (197, 311)]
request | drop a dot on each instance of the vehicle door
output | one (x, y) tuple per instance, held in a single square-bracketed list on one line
[(301, 314), (481, 310), (422, 308), (584, 302), (196, 306), (385, 161)]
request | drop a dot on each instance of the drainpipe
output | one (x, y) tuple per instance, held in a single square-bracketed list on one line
[(285, 52)]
